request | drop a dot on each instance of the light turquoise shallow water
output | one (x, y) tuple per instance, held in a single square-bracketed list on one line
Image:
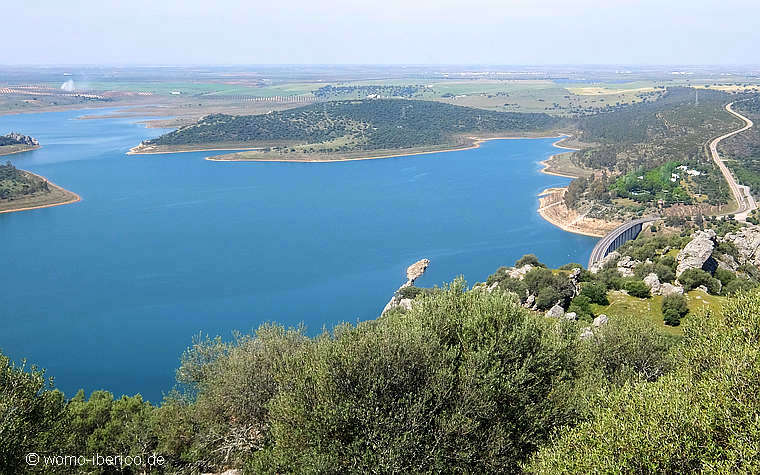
[(108, 292)]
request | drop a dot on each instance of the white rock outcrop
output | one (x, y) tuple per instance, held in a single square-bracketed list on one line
[(600, 320), (556, 311), (668, 289), (625, 266), (653, 282), (697, 252), (413, 272)]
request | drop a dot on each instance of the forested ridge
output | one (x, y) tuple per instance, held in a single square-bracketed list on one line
[(367, 124)]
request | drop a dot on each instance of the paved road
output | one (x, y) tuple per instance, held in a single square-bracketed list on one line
[(741, 193)]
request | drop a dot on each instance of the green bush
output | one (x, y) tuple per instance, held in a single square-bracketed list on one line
[(664, 272), (739, 285), (464, 382), (547, 297), (611, 278), (411, 292), (516, 286), (637, 288), (529, 259), (31, 415), (674, 308), (581, 305), (538, 279), (693, 278), (701, 417), (596, 292)]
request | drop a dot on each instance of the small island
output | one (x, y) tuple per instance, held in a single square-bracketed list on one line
[(17, 143)]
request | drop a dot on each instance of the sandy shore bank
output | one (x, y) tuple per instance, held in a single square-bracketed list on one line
[(476, 142), (551, 207), (58, 196), (9, 151)]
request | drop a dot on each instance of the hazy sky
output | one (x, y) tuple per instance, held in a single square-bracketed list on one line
[(388, 31)]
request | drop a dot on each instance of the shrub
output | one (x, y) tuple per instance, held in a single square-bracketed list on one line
[(31, 415), (611, 278), (516, 286), (674, 308), (539, 278), (498, 276), (411, 292), (529, 259), (664, 272), (596, 292), (464, 382), (693, 278), (724, 276), (637, 288), (739, 285), (581, 305), (701, 417), (547, 297)]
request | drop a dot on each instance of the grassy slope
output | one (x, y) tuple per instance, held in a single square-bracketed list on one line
[(651, 308)]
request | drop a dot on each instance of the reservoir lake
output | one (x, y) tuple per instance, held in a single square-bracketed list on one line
[(108, 292)]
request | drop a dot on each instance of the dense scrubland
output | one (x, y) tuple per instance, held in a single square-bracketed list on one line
[(344, 126), (15, 183)]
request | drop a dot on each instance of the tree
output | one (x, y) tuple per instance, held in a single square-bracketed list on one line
[(596, 292), (463, 382), (674, 308), (529, 259), (31, 415), (637, 288)]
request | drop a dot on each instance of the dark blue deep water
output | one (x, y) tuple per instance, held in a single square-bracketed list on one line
[(107, 293)]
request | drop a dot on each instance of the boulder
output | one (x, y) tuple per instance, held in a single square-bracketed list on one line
[(492, 287), (530, 301), (519, 273), (556, 311), (702, 288), (625, 266), (697, 253), (653, 282), (575, 280), (406, 304), (600, 320), (668, 289), (747, 242), (571, 316), (587, 333)]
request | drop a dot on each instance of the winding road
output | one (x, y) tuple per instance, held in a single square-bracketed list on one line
[(742, 195), (746, 203)]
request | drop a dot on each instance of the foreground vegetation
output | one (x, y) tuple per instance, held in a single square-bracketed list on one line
[(465, 381)]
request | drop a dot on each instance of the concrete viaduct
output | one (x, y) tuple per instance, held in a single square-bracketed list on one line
[(617, 238)]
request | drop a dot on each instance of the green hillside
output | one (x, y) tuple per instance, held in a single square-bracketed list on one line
[(356, 125)]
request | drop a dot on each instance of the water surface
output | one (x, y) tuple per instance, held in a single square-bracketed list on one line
[(107, 293)]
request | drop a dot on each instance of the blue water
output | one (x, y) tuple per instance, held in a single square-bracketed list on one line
[(107, 293)]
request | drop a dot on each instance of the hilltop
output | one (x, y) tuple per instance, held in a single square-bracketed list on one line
[(339, 128)]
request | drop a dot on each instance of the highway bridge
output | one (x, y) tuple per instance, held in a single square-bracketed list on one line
[(616, 238)]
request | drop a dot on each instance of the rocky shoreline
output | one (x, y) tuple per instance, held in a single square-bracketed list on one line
[(413, 272)]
